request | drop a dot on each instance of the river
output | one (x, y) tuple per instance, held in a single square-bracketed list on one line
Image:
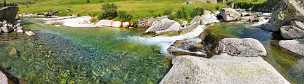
[(115, 56)]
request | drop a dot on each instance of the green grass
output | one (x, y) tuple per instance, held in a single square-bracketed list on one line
[(139, 8)]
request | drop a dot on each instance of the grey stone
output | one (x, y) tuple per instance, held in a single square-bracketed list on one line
[(293, 31), (296, 46), (247, 47), (230, 14), (163, 24), (222, 69)]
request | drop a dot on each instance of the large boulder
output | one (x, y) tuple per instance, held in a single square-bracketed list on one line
[(289, 18), (83, 21), (187, 47), (3, 78), (222, 69), (247, 47), (207, 18), (163, 24), (229, 14), (296, 46), (104, 23)]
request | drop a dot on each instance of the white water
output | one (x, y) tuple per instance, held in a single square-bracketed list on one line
[(165, 41)]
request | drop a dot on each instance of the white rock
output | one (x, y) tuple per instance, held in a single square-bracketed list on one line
[(29, 33), (4, 29), (3, 78), (125, 24), (19, 30), (247, 47), (116, 24), (230, 14), (163, 24), (83, 21), (295, 46), (222, 69), (104, 23), (208, 19)]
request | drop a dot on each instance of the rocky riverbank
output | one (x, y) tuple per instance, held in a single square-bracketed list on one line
[(197, 56)]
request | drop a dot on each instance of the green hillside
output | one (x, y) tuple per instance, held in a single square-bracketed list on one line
[(93, 7)]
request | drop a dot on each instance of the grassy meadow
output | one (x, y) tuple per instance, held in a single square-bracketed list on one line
[(140, 8)]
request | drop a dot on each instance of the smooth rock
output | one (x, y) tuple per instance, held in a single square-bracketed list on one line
[(163, 24), (222, 69), (208, 19), (104, 23), (83, 21), (116, 24), (230, 14), (295, 46), (247, 47), (19, 30), (125, 24), (4, 29), (3, 78), (30, 33)]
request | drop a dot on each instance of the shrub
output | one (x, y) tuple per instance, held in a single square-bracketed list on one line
[(188, 12), (197, 12), (109, 11), (124, 16)]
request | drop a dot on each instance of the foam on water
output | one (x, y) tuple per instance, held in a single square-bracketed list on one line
[(165, 41)]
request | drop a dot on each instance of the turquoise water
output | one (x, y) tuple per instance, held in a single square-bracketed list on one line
[(83, 56)]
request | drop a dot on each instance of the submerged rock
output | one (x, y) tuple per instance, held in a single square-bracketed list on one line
[(246, 47), (222, 69), (229, 14), (296, 46), (163, 24), (3, 78)]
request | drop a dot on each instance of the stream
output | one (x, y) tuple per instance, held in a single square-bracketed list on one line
[(115, 56), (82, 55)]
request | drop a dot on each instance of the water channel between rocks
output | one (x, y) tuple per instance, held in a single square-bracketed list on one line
[(107, 55)]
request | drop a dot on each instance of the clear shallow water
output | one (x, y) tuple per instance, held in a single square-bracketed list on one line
[(82, 55)]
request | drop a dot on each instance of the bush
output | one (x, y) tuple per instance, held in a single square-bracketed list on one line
[(124, 16), (188, 12), (109, 11), (197, 12)]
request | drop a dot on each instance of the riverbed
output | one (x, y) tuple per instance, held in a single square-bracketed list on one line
[(82, 55)]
